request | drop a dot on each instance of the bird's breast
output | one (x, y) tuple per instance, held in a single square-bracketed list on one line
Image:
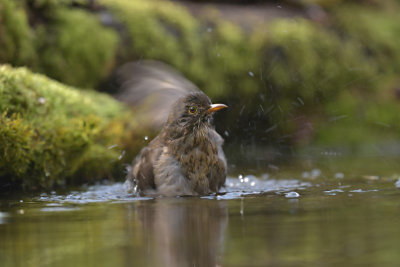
[(199, 161)]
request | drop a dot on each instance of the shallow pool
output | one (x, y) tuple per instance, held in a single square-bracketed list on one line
[(288, 217)]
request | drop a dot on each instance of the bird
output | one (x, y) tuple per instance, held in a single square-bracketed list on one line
[(186, 158)]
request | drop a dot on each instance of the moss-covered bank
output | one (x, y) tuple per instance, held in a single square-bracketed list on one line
[(52, 134)]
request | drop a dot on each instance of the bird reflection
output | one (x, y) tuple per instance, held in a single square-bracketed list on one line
[(183, 232)]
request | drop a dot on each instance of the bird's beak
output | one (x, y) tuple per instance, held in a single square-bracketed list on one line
[(216, 107)]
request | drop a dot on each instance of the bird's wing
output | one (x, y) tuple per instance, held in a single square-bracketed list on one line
[(151, 87), (142, 173), (221, 155)]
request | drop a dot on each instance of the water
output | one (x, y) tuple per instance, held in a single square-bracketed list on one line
[(312, 216)]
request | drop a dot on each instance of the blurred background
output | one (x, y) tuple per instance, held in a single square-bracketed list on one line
[(301, 77), (311, 133)]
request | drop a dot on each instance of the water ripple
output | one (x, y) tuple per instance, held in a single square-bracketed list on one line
[(235, 188)]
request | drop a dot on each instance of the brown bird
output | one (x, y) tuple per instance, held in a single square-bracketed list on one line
[(186, 158)]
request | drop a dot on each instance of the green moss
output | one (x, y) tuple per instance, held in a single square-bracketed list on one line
[(71, 55), (53, 44), (377, 32), (306, 67), (54, 134), (355, 121), (210, 52), (50, 4), (313, 64), (357, 116), (15, 35)]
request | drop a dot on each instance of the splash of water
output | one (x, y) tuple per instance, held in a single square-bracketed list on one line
[(235, 188)]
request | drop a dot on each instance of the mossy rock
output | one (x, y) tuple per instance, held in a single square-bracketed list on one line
[(210, 52), (16, 37), (309, 62), (75, 48), (65, 43), (54, 134), (377, 32)]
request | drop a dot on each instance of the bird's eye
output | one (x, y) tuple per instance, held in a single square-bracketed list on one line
[(192, 109)]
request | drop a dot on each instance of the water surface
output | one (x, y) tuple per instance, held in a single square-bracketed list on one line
[(286, 217)]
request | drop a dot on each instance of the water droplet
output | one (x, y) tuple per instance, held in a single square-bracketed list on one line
[(42, 100), (242, 109), (383, 124), (273, 127), (292, 195), (301, 101), (357, 190), (251, 74), (371, 177), (333, 192), (146, 138), (273, 167), (122, 155), (315, 173), (3, 217), (339, 175), (241, 207)]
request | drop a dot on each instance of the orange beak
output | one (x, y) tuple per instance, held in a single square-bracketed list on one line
[(216, 107)]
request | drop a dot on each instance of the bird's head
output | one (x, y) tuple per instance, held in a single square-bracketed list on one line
[(191, 111)]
